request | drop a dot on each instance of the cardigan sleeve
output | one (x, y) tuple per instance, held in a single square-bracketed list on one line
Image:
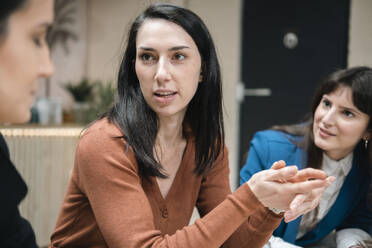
[(256, 229), (108, 176)]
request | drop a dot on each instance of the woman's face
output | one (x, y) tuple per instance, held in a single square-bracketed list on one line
[(168, 67), (338, 124), (24, 58)]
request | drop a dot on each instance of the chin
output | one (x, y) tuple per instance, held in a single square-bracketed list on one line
[(22, 117), (320, 144)]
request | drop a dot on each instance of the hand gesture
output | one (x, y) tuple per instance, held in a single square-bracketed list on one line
[(286, 188), (304, 202)]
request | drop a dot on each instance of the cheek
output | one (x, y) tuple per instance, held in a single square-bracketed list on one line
[(354, 131), (194, 77), (137, 70), (192, 86), (10, 87), (318, 114), (144, 74), (141, 78)]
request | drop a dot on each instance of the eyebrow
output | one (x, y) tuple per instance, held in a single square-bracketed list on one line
[(176, 48), (353, 110), (47, 26)]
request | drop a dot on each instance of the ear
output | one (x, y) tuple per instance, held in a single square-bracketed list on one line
[(368, 134), (201, 73)]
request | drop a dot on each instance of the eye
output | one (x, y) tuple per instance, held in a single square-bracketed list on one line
[(326, 103), (146, 57), (347, 113), (39, 40), (179, 56)]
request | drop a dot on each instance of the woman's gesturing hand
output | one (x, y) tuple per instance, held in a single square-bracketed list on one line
[(287, 188), (304, 202)]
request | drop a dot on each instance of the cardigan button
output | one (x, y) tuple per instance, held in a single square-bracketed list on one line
[(164, 213)]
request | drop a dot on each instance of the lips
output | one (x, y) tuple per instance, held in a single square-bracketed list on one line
[(164, 93), (165, 96), (325, 133)]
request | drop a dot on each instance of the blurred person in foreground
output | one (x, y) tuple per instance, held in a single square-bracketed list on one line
[(24, 59)]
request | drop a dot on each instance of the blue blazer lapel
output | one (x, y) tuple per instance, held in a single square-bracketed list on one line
[(292, 230), (347, 199)]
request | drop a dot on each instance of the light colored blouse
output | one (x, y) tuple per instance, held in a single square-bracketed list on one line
[(339, 169)]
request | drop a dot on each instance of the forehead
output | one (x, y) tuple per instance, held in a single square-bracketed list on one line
[(160, 32), (343, 95), (35, 12)]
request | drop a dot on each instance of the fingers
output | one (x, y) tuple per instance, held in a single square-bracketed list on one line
[(278, 165), (308, 186), (298, 200), (305, 202), (330, 180), (281, 174), (308, 173), (302, 209)]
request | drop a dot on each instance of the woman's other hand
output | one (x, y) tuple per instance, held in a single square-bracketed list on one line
[(305, 202)]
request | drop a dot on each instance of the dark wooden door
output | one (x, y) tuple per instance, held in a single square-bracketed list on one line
[(287, 47)]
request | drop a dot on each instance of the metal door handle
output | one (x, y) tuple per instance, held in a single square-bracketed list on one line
[(241, 92), (257, 92)]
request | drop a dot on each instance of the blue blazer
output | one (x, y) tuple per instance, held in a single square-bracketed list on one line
[(351, 208)]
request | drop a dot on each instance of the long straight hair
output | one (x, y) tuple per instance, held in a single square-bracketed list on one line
[(139, 123), (359, 80)]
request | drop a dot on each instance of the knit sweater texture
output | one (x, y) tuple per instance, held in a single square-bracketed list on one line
[(108, 204)]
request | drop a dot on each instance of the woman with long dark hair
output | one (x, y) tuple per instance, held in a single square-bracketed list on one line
[(24, 59), (159, 152), (336, 139)]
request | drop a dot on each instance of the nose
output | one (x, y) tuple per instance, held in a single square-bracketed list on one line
[(329, 118), (46, 68), (162, 74)]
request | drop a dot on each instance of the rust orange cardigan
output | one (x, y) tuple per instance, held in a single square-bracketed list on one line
[(108, 204)]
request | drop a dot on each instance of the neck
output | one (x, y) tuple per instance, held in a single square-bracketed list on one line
[(337, 156), (170, 132)]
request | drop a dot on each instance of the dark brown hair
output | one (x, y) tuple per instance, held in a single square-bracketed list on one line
[(8, 7)]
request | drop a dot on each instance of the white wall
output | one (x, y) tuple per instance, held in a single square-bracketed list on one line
[(360, 43), (69, 66)]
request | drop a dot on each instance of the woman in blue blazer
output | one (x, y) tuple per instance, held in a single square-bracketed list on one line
[(335, 139)]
